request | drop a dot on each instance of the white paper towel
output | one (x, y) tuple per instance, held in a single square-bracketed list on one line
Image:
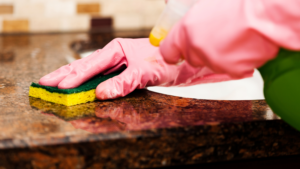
[(244, 89)]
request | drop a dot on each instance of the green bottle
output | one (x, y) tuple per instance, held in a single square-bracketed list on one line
[(282, 86)]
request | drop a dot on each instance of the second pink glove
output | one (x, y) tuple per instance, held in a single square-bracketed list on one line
[(235, 36)]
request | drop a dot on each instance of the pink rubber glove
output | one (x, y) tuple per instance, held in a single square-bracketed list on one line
[(145, 67), (234, 36)]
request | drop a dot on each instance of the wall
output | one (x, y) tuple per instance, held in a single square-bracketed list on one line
[(75, 15)]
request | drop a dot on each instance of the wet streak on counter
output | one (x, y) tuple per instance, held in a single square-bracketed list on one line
[(141, 110)]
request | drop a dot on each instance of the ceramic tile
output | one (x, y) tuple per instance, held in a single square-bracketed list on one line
[(42, 24), (30, 10), (6, 9), (75, 23), (150, 20), (88, 8), (17, 25), (127, 21), (1, 22), (7, 1), (60, 8)]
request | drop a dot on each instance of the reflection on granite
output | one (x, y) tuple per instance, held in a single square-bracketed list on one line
[(141, 130), (6, 56), (145, 110), (65, 112), (8, 41)]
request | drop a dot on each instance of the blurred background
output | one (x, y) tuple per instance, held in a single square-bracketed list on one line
[(44, 16)]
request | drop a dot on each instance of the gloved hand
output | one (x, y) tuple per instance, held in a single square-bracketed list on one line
[(145, 67), (233, 36)]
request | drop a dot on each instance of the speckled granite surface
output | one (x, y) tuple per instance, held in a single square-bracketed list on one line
[(142, 130)]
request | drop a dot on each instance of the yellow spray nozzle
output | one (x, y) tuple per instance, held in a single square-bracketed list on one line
[(157, 35), (154, 40)]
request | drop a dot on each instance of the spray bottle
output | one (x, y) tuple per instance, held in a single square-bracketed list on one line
[(282, 85), (173, 12), (281, 75)]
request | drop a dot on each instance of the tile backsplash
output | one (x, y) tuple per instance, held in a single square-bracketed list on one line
[(77, 15)]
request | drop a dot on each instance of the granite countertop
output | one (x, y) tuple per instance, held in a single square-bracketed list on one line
[(141, 130)]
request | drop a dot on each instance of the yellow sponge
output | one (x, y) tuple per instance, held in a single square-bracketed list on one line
[(82, 94)]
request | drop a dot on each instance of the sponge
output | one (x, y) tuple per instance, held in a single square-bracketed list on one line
[(69, 97)]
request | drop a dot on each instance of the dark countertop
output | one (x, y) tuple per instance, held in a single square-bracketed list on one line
[(141, 130)]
